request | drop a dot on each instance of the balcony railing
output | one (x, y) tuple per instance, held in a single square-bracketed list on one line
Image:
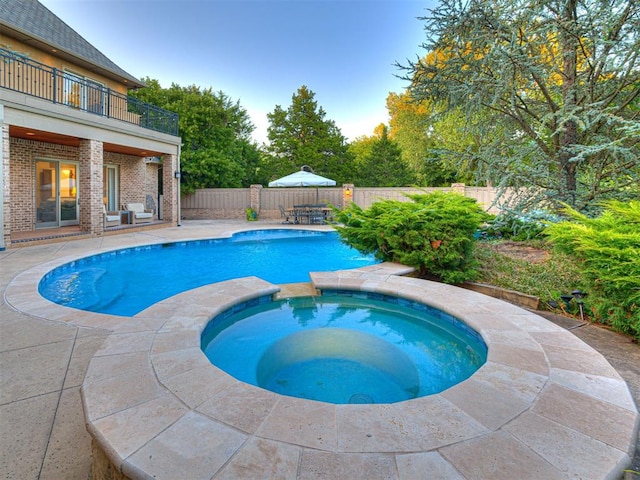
[(21, 74)]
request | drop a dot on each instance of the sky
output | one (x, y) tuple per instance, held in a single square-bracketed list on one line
[(260, 52)]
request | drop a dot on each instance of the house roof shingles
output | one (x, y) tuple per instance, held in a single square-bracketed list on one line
[(35, 21)]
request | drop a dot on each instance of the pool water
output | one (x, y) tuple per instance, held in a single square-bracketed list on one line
[(125, 282), (344, 348)]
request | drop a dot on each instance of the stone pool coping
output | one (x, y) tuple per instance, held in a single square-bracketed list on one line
[(545, 405)]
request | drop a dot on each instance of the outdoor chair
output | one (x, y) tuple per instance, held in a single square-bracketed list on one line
[(138, 213), (300, 214), (111, 219), (284, 214), (316, 215)]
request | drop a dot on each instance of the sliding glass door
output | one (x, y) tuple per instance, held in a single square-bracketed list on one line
[(56, 194)]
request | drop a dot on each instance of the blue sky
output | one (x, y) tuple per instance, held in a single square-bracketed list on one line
[(261, 51)]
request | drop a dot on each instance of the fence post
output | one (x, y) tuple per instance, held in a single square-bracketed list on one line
[(255, 198), (347, 194), (458, 188)]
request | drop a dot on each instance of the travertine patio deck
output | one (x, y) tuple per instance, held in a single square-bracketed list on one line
[(545, 405)]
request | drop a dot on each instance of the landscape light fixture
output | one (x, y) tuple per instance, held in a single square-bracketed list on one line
[(579, 295), (567, 300)]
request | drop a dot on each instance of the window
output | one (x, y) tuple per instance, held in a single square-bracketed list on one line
[(84, 93), (110, 187)]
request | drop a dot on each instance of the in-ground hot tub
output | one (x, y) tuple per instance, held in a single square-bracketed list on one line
[(345, 347), (533, 410)]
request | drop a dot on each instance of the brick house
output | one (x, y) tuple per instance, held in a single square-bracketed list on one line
[(72, 139)]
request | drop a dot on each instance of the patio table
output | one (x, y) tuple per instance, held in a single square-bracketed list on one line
[(300, 214), (310, 214)]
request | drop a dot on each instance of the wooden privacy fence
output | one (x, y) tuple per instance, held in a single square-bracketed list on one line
[(216, 203), (232, 203)]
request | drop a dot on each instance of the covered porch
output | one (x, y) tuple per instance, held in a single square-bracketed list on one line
[(73, 232), (59, 176)]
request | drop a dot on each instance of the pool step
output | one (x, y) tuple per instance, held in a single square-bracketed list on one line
[(304, 289)]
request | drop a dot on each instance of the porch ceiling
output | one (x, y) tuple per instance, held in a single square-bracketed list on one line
[(49, 137)]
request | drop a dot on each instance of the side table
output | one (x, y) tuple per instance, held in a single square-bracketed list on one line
[(125, 217)]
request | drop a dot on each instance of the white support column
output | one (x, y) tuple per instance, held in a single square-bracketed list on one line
[(5, 185)]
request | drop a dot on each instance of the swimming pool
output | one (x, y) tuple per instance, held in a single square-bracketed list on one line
[(521, 401), (344, 347), (125, 282)]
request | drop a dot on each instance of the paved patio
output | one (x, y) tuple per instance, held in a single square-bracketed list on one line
[(573, 392)]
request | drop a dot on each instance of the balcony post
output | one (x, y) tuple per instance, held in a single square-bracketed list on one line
[(55, 85), (108, 113)]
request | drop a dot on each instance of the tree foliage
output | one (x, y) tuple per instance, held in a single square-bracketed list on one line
[(412, 127), (360, 148), (382, 164), (433, 233), (217, 150), (301, 135), (608, 251), (556, 84)]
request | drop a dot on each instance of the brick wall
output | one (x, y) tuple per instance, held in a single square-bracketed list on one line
[(6, 191), (136, 177), (137, 180), (23, 156), (170, 188), (151, 187), (90, 186), (133, 179)]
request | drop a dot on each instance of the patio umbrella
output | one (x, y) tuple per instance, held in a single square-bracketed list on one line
[(303, 178)]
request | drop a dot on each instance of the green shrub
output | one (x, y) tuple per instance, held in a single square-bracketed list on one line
[(434, 233), (608, 248), (518, 226), (251, 214)]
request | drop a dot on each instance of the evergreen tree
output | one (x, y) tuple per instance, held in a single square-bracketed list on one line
[(383, 165), (300, 135), (360, 150), (556, 83)]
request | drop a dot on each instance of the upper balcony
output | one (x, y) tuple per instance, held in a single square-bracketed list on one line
[(21, 74)]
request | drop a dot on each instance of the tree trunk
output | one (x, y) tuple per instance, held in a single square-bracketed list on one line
[(569, 135)]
